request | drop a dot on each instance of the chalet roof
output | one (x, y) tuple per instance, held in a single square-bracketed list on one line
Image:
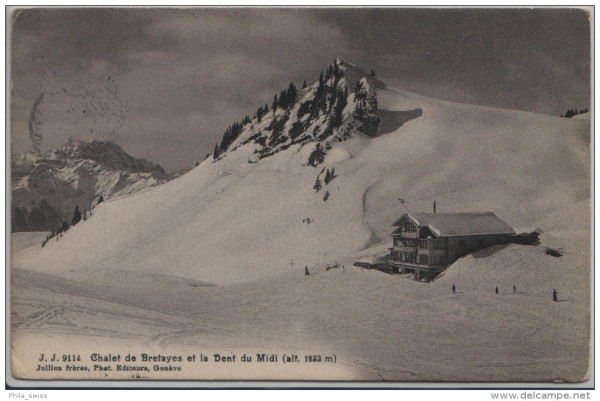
[(455, 224)]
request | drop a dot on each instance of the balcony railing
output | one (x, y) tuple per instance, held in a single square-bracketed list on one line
[(407, 234)]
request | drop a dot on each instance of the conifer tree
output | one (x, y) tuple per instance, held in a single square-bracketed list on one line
[(304, 85), (336, 69), (292, 94), (275, 104), (340, 103), (317, 187), (76, 216), (283, 100), (100, 199), (215, 153)]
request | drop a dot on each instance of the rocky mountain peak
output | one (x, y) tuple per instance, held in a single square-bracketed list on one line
[(343, 100), (47, 186)]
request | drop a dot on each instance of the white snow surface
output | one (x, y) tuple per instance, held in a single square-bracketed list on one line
[(233, 221), (138, 272)]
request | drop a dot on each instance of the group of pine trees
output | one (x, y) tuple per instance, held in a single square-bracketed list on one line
[(328, 100), (339, 104), (329, 176), (326, 95), (230, 135), (284, 101), (262, 111), (64, 227), (573, 112), (362, 101), (317, 156)]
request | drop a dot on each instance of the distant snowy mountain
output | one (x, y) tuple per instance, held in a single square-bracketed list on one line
[(46, 187), (317, 180)]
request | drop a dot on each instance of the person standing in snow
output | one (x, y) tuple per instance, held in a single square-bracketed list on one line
[(554, 296), (496, 290), (514, 289), (453, 289), (306, 273)]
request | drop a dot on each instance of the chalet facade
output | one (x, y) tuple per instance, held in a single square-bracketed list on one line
[(426, 243)]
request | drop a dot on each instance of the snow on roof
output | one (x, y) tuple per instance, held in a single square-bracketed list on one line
[(453, 224)]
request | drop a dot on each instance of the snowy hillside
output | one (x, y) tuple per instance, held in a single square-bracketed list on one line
[(310, 189), (254, 211), (46, 187)]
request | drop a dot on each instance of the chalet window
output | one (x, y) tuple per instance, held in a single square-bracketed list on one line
[(423, 259), (396, 242), (409, 257), (423, 244), (408, 227)]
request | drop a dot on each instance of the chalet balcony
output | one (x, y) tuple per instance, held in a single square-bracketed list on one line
[(406, 245), (407, 249), (407, 234)]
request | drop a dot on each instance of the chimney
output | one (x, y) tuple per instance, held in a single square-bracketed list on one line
[(434, 206)]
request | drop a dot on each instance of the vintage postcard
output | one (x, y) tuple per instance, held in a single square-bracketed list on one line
[(300, 195)]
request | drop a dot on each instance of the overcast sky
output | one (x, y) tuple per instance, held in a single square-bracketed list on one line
[(164, 84)]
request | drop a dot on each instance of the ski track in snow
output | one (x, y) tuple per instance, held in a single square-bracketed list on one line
[(374, 239)]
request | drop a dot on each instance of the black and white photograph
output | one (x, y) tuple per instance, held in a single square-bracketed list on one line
[(293, 195)]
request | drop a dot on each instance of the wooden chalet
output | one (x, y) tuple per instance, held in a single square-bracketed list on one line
[(426, 243)]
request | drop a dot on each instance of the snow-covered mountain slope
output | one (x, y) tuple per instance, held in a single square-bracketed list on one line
[(582, 116), (254, 212), (47, 187)]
